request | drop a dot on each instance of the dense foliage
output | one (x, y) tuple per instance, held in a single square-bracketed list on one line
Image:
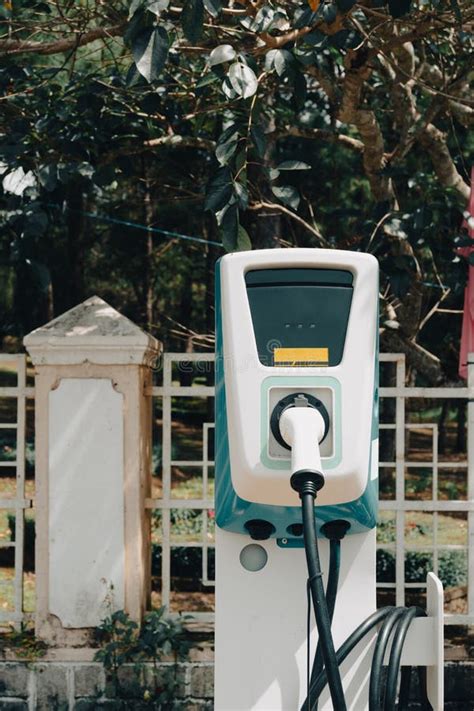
[(252, 123)]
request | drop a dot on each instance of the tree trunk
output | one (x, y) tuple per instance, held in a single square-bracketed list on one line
[(75, 221)]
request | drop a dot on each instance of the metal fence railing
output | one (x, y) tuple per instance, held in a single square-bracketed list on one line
[(426, 478), (414, 523), (13, 499)]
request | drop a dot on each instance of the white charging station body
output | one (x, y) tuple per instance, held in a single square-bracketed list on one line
[(346, 382), (299, 322)]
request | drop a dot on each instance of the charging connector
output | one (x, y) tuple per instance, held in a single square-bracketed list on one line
[(302, 428)]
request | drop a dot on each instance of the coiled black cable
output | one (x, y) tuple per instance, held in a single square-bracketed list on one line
[(395, 620), (383, 637), (346, 648), (396, 655)]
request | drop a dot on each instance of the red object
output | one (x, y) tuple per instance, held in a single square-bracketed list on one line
[(467, 333)]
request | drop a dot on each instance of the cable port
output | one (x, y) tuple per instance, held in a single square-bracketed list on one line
[(335, 530), (296, 400), (259, 530)]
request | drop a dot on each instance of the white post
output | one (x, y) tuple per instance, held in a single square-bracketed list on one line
[(261, 623), (93, 452)]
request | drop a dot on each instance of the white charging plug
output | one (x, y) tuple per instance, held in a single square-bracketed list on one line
[(303, 428)]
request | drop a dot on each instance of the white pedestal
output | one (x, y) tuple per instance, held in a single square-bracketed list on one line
[(261, 624)]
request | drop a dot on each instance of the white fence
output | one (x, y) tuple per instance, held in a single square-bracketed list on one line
[(15, 500), (428, 504)]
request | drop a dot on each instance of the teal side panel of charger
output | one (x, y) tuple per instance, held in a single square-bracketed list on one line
[(232, 512)]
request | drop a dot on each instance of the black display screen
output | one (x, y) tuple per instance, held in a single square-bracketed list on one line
[(299, 309)]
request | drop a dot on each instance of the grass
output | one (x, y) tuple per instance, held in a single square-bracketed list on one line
[(419, 529), (8, 491), (7, 576)]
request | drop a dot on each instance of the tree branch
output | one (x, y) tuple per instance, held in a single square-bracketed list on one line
[(426, 133), (358, 72), (281, 40), (321, 134), (434, 142), (417, 356), (182, 142), (294, 216), (325, 82), (8, 46)]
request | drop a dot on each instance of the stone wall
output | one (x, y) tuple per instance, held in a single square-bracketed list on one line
[(83, 686), (61, 686)]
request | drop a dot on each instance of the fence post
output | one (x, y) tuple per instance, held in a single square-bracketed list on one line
[(93, 463)]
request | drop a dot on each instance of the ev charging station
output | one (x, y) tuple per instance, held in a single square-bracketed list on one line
[(296, 493)]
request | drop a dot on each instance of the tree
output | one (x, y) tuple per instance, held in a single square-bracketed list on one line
[(329, 124)]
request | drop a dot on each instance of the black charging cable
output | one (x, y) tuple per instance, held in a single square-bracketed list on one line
[(334, 532), (307, 484), (395, 623)]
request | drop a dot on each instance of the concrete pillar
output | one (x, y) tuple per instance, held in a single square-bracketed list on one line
[(93, 464)]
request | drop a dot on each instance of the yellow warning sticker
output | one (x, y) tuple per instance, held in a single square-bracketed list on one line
[(303, 357)]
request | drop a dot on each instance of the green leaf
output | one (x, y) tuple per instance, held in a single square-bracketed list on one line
[(205, 80), (242, 195), (48, 176), (243, 240), (229, 228), (150, 50), (222, 53), (287, 194), (293, 165), (273, 173), (140, 22), (315, 38), (228, 89), (157, 6), (234, 237), (133, 75), (226, 149), (329, 12), (241, 164), (263, 19), (270, 60), (305, 17), (192, 19), (242, 79), (283, 61), (219, 190), (134, 6), (228, 132), (213, 7)]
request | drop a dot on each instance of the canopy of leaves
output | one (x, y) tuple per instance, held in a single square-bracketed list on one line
[(264, 124)]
